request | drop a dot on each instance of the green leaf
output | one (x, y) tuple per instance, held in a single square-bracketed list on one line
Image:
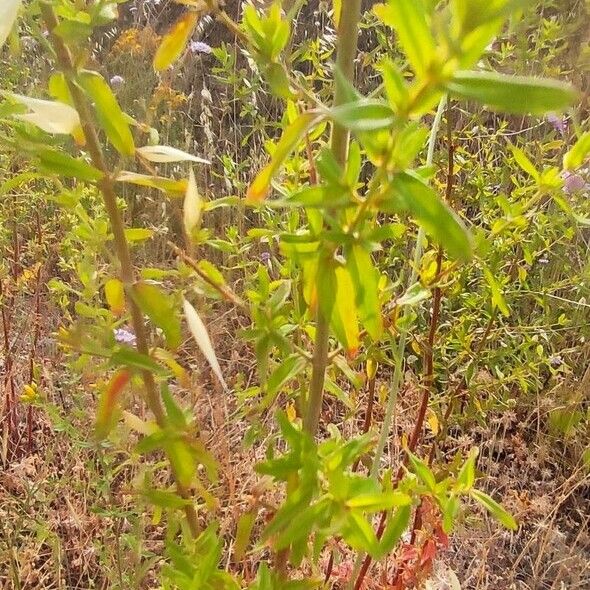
[(160, 307), (415, 294), (135, 360), (286, 371), (408, 18), (243, 533), (578, 153), (108, 112), (174, 413), (359, 534), (523, 161), (423, 472), (290, 139), (396, 525), (165, 499), (466, 477), (181, 460), (138, 234), (450, 510), (64, 165), (495, 509), (175, 40), (395, 86), (498, 300), (365, 277), (513, 94), (364, 115), (408, 192), (378, 502)]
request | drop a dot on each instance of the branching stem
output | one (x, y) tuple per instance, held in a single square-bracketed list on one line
[(347, 48), (127, 272)]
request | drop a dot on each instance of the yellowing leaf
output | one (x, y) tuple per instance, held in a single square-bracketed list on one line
[(137, 424), (175, 40), (433, 423), (50, 116), (344, 313), (159, 182), (8, 14), (193, 206), (108, 402), (337, 11), (115, 295), (199, 332), (164, 154), (288, 142)]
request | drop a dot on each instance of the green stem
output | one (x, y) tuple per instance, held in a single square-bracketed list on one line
[(106, 187), (347, 48), (362, 563)]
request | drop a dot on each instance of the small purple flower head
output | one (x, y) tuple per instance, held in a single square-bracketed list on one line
[(265, 257), (558, 123), (117, 81), (199, 47), (124, 336), (573, 182), (556, 361)]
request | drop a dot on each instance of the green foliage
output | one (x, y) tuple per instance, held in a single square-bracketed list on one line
[(365, 233)]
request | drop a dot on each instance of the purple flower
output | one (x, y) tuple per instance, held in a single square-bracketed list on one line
[(573, 182), (559, 123), (199, 47), (556, 361), (117, 81), (124, 336), (265, 257)]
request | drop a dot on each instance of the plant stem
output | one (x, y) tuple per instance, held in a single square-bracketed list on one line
[(127, 272), (347, 48), (362, 567)]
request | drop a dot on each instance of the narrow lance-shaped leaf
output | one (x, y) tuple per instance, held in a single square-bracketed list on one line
[(115, 295), (495, 509), (165, 154), (158, 182), (408, 19), (8, 13), (108, 402), (61, 163), (175, 40), (109, 114), (578, 153), (498, 300), (363, 115), (396, 525), (160, 307), (288, 142), (344, 319), (193, 206), (523, 161), (199, 332), (408, 192), (50, 116), (513, 94)]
